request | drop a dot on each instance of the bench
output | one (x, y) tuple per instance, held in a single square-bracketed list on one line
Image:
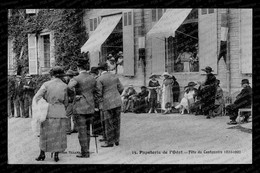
[(240, 111)]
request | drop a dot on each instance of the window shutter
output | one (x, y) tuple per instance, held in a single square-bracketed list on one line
[(52, 49), (40, 54), (158, 55), (10, 55), (32, 52), (128, 45), (208, 40), (246, 41)]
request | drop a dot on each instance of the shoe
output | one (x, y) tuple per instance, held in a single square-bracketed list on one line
[(56, 157), (83, 155), (68, 133), (110, 145), (232, 123), (208, 117), (41, 156), (116, 143)]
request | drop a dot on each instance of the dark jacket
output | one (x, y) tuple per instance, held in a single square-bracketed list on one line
[(29, 91), (109, 88), (19, 91), (85, 88), (244, 98)]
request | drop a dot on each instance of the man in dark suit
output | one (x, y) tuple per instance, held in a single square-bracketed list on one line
[(243, 100), (83, 105), (19, 97), (29, 88), (110, 89)]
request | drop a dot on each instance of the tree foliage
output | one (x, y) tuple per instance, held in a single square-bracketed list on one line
[(69, 34)]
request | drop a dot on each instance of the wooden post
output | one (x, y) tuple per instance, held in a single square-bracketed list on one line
[(228, 55)]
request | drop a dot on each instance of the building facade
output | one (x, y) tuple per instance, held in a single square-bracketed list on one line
[(165, 34)]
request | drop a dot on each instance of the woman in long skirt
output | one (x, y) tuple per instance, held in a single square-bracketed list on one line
[(167, 97), (53, 130)]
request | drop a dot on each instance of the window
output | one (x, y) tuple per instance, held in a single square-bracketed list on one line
[(160, 11), (204, 11), (125, 19), (182, 50), (211, 10), (91, 25), (157, 14), (153, 15), (31, 11), (46, 50), (129, 18), (95, 23)]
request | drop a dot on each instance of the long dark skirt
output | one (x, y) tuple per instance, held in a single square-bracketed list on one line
[(53, 137)]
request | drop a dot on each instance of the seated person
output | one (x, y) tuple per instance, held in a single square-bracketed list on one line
[(126, 96), (243, 100), (188, 99), (219, 101), (140, 101)]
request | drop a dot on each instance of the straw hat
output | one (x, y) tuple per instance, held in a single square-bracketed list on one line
[(207, 69)]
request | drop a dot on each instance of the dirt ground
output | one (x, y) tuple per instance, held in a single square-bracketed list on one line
[(146, 139)]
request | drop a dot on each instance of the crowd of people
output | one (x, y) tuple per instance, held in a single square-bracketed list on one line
[(115, 64), (95, 98)]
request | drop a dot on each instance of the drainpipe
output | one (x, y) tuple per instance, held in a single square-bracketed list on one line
[(143, 35), (228, 54)]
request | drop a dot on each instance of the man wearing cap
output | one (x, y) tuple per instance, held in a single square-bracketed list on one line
[(83, 105), (109, 91), (19, 97), (29, 88), (207, 92), (243, 100)]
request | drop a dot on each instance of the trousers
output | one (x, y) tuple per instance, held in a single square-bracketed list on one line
[(83, 123), (112, 125)]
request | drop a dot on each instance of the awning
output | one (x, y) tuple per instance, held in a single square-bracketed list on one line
[(101, 33), (169, 23)]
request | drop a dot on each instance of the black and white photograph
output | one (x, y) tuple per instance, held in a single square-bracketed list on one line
[(130, 86)]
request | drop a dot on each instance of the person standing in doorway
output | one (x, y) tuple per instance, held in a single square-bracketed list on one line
[(29, 88), (110, 88)]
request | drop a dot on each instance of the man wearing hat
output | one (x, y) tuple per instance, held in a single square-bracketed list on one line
[(19, 97), (243, 100), (83, 105), (29, 88), (141, 100), (207, 92), (109, 91)]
